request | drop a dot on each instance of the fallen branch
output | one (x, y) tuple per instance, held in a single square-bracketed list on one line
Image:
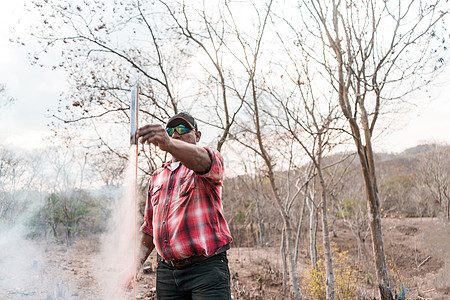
[(425, 260), (424, 292)]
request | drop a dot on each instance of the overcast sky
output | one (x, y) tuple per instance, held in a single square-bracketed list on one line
[(36, 89)]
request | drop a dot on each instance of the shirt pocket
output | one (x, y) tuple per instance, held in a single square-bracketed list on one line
[(187, 187), (191, 186), (155, 194)]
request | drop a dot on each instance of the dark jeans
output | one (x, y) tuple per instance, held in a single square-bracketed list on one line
[(209, 279)]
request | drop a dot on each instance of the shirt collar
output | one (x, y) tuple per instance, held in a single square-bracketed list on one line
[(168, 165), (173, 166)]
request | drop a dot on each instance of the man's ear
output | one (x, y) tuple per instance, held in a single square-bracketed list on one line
[(198, 135)]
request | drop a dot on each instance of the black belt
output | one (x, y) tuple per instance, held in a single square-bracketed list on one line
[(187, 262)]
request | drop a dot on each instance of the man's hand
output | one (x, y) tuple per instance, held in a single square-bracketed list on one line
[(145, 248), (154, 134), (126, 279), (128, 284)]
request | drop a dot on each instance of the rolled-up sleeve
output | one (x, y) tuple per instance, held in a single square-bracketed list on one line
[(216, 171)]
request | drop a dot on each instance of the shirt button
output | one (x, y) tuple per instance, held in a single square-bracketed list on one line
[(164, 222), (165, 241), (167, 204)]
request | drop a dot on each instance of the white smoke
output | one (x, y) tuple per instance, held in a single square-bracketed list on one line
[(32, 268), (26, 270), (115, 261)]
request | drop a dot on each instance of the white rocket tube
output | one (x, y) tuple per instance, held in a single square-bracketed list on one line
[(134, 113)]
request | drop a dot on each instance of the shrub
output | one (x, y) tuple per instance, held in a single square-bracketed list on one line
[(345, 277)]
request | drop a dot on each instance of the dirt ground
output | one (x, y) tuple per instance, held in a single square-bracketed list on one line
[(418, 253)]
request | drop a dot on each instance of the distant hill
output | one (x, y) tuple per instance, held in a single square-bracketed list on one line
[(422, 148)]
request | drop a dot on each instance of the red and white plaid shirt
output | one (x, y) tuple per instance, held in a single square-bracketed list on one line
[(184, 212)]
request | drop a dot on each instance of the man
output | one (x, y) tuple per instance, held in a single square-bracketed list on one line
[(184, 215)]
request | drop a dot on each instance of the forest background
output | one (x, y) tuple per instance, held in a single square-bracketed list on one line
[(292, 93)]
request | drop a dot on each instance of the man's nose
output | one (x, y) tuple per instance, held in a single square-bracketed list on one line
[(176, 135)]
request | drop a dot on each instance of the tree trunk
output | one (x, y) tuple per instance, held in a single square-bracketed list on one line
[(299, 229), (262, 230), (291, 260), (328, 256), (366, 159), (287, 223), (283, 258), (312, 236), (359, 240), (55, 233), (330, 291), (373, 203)]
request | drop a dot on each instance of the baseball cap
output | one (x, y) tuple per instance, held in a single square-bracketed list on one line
[(182, 118)]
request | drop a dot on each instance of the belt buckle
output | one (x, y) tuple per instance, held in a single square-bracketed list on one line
[(182, 264), (187, 262), (176, 264)]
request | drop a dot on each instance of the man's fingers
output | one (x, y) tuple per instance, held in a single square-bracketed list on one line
[(153, 134), (148, 131), (145, 131), (150, 137)]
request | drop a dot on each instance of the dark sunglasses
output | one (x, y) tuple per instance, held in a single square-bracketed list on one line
[(180, 129)]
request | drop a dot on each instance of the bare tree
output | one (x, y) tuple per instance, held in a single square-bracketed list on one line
[(434, 178), (259, 138), (371, 52), (212, 38), (176, 51), (249, 192), (11, 171), (314, 143), (351, 209), (105, 49), (313, 120)]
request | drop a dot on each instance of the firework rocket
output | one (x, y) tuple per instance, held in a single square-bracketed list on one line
[(134, 113)]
